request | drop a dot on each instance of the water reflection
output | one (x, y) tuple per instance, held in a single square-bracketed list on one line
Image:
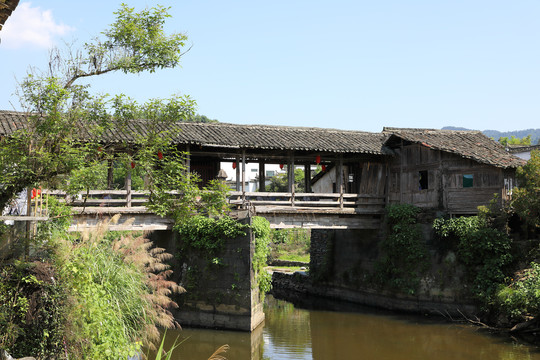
[(293, 333)]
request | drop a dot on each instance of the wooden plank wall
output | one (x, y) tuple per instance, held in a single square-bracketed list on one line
[(445, 180)]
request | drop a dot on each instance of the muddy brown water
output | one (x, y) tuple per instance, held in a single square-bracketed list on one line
[(349, 332)]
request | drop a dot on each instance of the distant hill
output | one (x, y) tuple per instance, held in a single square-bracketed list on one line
[(495, 134)]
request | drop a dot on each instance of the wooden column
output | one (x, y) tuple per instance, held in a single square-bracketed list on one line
[(188, 159), (307, 178), (243, 175), (401, 159), (339, 179), (262, 176), (128, 187), (110, 175), (237, 174), (290, 173)]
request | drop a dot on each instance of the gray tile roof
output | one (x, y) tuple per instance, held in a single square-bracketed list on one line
[(467, 144), (236, 136), (6, 8)]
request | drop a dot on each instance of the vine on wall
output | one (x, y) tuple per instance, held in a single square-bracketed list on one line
[(261, 231), (405, 255)]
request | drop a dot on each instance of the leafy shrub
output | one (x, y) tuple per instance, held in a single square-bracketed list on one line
[(522, 296), (484, 251), (31, 310)]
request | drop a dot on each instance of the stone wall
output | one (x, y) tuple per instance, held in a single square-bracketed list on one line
[(298, 286), (342, 267)]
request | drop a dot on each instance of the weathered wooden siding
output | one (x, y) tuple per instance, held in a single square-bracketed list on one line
[(445, 171)]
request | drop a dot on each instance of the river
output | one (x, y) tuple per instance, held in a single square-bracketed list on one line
[(349, 332)]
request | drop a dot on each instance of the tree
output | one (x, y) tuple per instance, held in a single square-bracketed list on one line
[(60, 146), (526, 197), (525, 141), (48, 147), (279, 183)]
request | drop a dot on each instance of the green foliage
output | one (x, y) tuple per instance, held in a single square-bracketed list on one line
[(31, 310), (449, 232), (138, 41), (522, 295), (484, 251), (261, 232), (525, 141), (405, 255), (198, 118), (526, 198), (279, 183), (290, 244), (209, 234)]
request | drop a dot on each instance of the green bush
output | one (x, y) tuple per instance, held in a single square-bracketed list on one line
[(522, 296), (484, 251), (32, 307)]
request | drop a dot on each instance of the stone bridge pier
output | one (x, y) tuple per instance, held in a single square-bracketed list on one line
[(221, 292)]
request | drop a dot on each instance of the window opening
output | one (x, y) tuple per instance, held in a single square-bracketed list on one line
[(468, 180), (422, 180)]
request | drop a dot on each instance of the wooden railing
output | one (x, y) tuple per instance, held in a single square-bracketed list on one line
[(238, 199)]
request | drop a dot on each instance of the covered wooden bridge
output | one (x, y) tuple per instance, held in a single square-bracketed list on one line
[(354, 162), (358, 172)]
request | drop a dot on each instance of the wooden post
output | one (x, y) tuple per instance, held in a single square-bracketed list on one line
[(339, 180), (262, 176), (110, 175), (290, 176), (401, 159), (237, 174), (188, 159), (128, 187), (307, 178), (29, 224), (290, 173), (243, 176)]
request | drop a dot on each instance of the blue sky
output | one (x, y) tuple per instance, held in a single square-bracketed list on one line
[(357, 65)]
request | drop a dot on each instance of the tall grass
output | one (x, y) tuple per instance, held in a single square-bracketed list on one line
[(119, 293)]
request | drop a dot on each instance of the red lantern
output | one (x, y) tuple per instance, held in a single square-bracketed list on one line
[(132, 165), (318, 159), (323, 167), (234, 165), (281, 166), (34, 193), (160, 155)]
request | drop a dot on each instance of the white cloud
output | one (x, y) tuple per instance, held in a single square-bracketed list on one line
[(31, 27)]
